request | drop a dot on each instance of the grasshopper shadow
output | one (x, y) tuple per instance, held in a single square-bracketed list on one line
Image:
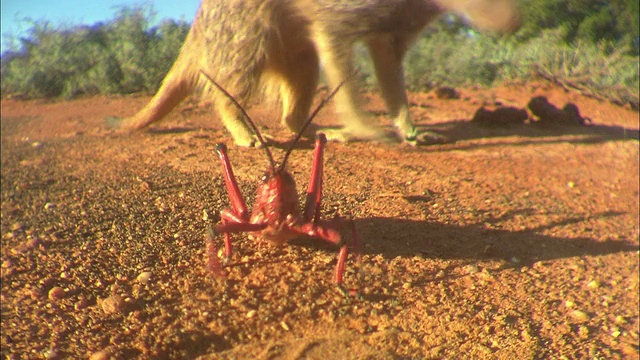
[(393, 237)]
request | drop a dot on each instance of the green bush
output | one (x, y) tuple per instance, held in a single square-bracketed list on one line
[(600, 70), (124, 56), (456, 60), (465, 58)]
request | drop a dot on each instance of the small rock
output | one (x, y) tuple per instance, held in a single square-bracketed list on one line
[(113, 304), (445, 92), (580, 316), (51, 353), (56, 293), (81, 304), (145, 186), (35, 293), (620, 320), (49, 206), (17, 226), (100, 355), (251, 314), (285, 326), (471, 269), (26, 246), (144, 277), (360, 325), (583, 332), (593, 284)]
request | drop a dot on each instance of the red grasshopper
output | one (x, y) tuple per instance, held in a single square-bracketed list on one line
[(276, 216)]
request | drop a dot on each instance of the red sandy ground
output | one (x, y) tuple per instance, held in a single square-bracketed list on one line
[(515, 241)]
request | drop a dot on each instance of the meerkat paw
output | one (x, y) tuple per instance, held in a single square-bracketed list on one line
[(424, 138), (249, 142), (413, 136)]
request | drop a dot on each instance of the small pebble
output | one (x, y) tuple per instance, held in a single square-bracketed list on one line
[(580, 316), (144, 277), (51, 353), (81, 304), (100, 355), (251, 314), (284, 325), (471, 269), (56, 293), (113, 304), (145, 186), (583, 331), (593, 284), (17, 226), (49, 206), (620, 320)]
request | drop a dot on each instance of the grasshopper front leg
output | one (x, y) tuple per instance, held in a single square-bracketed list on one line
[(314, 191), (232, 220)]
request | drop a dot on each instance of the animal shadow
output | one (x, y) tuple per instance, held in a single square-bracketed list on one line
[(540, 122)]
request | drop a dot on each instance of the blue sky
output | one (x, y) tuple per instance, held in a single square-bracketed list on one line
[(77, 12)]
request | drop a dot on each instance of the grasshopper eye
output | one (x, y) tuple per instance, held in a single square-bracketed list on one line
[(264, 177)]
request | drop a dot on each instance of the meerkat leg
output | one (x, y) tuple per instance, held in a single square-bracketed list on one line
[(297, 89), (232, 119), (337, 58), (387, 53)]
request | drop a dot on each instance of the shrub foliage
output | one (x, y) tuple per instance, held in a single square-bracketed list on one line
[(122, 56)]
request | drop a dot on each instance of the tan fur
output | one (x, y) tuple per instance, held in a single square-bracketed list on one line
[(249, 45)]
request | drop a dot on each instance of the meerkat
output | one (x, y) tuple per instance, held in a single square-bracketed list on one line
[(274, 48)]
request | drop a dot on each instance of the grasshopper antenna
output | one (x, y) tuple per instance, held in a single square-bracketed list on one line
[(247, 119), (313, 115)]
